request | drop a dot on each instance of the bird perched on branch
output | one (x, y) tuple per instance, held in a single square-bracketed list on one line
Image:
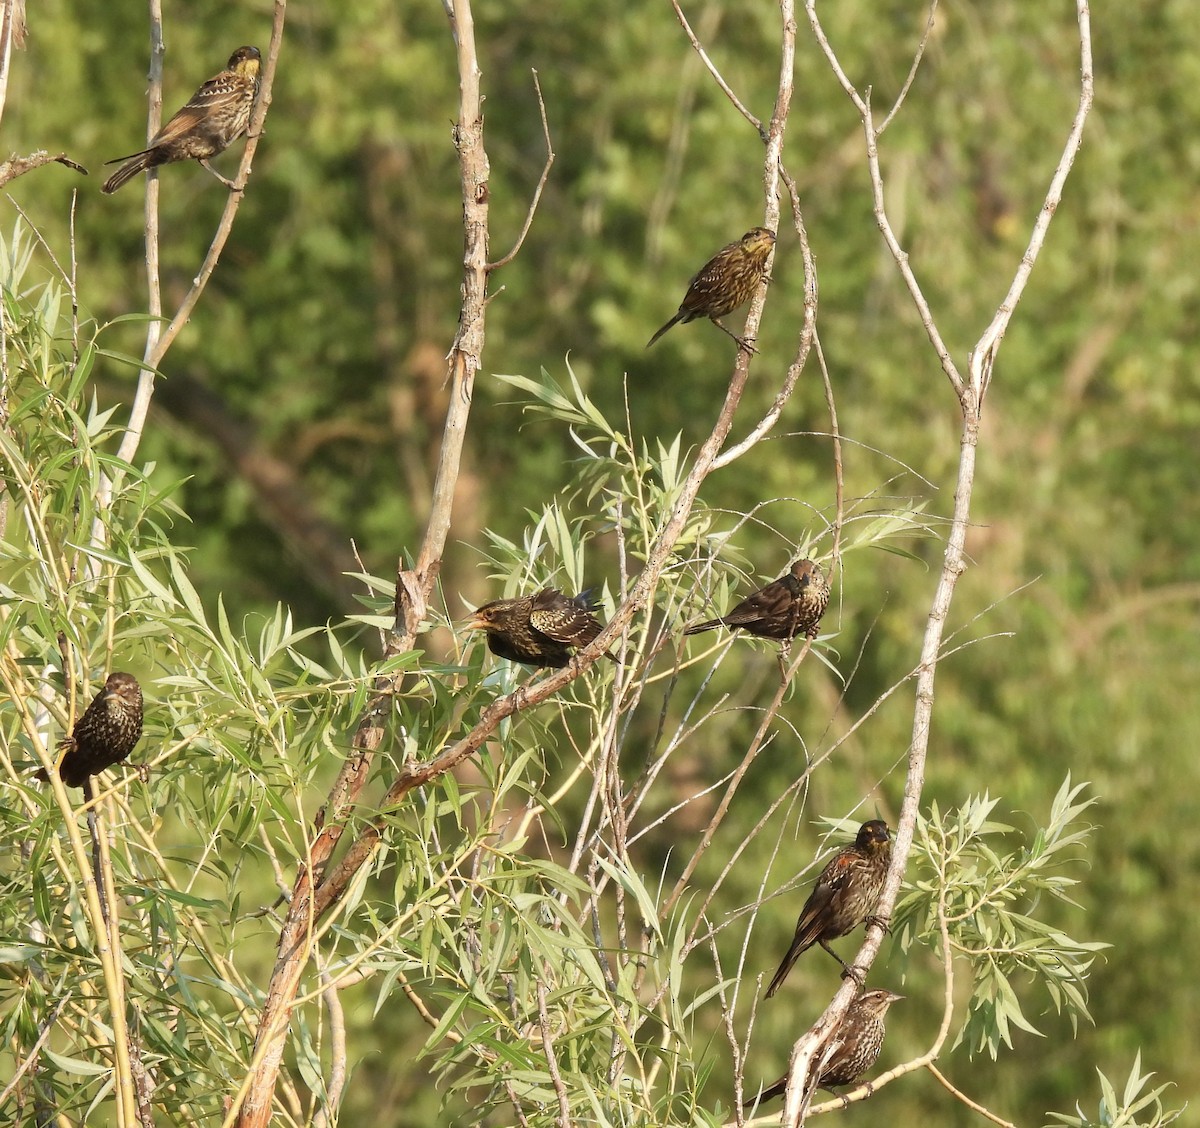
[(783, 609), (215, 116), (105, 734), (845, 895), (861, 1036), (538, 630), (725, 282)]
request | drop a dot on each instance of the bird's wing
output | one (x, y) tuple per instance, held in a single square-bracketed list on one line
[(772, 601), (217, 91), (563, 619), (814, 915)]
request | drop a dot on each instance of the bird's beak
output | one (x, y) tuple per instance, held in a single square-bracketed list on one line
[(476, 624)]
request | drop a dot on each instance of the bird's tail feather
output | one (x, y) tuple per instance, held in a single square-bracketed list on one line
[(135, 163), (788, 962), (674, 321)]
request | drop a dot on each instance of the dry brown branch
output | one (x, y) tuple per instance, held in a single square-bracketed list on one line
[(541, 184), (1087, 635), (18, 166), (317, 544)]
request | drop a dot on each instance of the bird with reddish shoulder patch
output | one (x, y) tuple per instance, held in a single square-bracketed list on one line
[(844, 896)]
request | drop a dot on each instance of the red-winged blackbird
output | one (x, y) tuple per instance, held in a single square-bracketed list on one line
[(845, 895), (861, 1033), (725, 282), (538, 630), (215, 116), (105, 734), (783, 609)]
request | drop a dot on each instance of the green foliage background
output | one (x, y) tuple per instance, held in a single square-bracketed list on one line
[(336, 299)]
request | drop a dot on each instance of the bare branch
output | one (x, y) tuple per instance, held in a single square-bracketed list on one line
[(12, 31), (541, 184), (807, 334), (955, 560), (839, 485), (961, 1096), (698, 47), (18, 166), (983, 355), (863, 105), (912, 71)]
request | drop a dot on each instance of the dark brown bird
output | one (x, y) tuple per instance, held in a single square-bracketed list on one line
[(861, 1033), (725, 282), (783, 609), (538, 630), (214, 117), (845, 895), (105, 734)]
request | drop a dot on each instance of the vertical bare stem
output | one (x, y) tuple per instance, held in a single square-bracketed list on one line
[(412, 588), (970, 395)]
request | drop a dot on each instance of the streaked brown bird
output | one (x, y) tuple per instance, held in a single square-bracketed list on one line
[(105, 734), (845, 895), (861, 1033), (725, 282), (543, 629), (214, 117), (783, 609)]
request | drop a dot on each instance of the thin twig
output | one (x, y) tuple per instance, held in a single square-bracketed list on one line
[(807, 335), (912, 71), (983, 355), (718, 815), (31, 1057), (563, 1119), (839, 485), (337, 1053), (541, 184), (881, 218), (698, 47), (961, 1096), (8, 32)]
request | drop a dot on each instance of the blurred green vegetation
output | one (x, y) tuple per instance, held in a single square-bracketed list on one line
[(325, 328)]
